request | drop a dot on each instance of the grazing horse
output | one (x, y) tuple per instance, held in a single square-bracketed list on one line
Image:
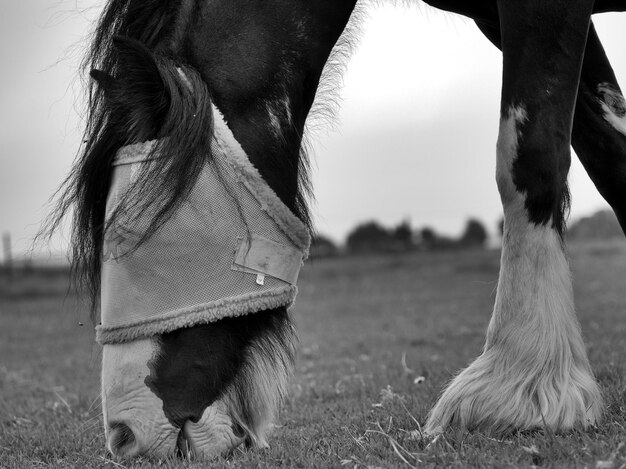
[(190, 216)]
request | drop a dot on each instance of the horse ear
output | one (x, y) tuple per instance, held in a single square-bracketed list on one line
[(137, 95), (110, 87), (137, 64), (104, 80)]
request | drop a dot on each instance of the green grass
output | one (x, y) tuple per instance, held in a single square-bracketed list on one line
[(354, 401)]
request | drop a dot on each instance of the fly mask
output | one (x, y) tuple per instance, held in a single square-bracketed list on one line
[(231, 248)]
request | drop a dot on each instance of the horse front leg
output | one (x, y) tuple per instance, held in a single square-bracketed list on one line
[(534, 370)]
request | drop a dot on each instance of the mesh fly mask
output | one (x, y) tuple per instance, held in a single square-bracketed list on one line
[(231, 248)]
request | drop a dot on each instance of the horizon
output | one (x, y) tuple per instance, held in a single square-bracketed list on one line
[(62, 258)]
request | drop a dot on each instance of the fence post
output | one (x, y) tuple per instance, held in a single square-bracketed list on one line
[(8, 258)]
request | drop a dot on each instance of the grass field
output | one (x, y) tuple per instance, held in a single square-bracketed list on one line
[(355, 401)]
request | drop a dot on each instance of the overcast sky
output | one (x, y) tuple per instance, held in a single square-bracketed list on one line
[(414, 139)]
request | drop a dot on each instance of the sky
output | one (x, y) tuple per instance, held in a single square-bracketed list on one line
[(414, 138)]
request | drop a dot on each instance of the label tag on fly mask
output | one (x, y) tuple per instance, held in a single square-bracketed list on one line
[(262, 256)]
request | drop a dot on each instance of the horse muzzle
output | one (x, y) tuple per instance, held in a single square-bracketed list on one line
[(212, 436)]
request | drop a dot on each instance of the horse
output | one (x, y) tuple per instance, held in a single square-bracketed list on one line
[(189, 198)]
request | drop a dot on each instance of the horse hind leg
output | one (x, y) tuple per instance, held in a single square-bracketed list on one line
[(599, 132), (534, 370)]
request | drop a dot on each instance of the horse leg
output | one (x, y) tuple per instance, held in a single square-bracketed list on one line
[(599, 132), (534, 370)]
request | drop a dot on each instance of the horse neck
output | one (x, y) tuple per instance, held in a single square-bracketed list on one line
[(263, 64)]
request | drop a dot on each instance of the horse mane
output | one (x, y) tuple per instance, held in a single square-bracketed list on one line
[(323, 113), (325, 107), (141, 90)]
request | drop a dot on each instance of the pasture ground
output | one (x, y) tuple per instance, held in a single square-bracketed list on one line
[(354, 400)]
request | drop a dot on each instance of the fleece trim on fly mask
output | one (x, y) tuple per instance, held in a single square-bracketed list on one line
[(231, 248)]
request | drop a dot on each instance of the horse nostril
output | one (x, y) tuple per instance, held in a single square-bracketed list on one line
[(121, 439), (238, 430)]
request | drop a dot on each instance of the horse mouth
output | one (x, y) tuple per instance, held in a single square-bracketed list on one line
[(190, 447)]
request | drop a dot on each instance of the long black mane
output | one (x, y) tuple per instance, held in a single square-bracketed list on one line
[(141, 90), (147, 83)]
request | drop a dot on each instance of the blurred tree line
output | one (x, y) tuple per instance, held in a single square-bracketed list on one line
[(371, 237), (600, 225)]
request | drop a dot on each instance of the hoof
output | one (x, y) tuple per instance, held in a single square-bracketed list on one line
[(498, 398)]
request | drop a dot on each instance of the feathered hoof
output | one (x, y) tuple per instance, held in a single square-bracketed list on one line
[(497, 397)]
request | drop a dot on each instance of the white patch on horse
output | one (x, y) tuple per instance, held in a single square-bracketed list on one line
[(275, 126), (185, 79), (279, 112), (287, 104), (534, 370), (507, 153), (614, 107), (126, 400)]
